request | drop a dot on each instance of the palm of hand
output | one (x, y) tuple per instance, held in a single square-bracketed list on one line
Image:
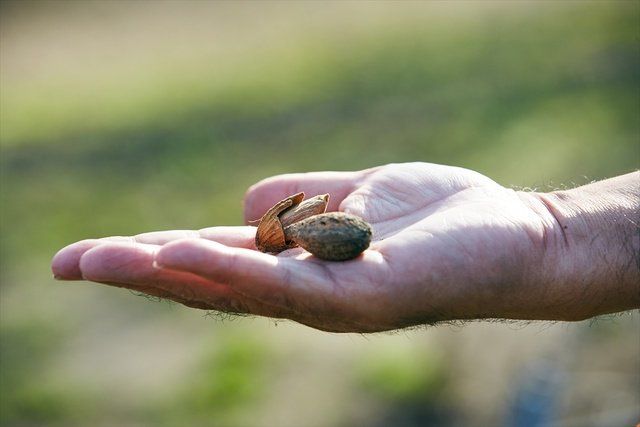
[(442, 236), (446, 240)]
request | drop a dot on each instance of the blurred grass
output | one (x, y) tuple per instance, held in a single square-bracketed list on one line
[(491, 96), (402, 374), (531, 95), (225, 381)]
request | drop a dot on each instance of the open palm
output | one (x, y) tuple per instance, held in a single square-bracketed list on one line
[(448, 243)]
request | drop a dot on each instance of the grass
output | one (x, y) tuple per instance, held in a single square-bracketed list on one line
[(488, 100)]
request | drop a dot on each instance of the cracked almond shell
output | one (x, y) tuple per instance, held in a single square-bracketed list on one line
[(270, 236)]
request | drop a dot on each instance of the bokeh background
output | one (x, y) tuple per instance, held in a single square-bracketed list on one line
[(119, 117)]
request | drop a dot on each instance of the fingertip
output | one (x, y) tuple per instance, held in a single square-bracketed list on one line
[(65, 263), (251, 211), (248, 204)]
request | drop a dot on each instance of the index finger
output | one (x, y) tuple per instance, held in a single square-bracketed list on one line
[(65, 263)]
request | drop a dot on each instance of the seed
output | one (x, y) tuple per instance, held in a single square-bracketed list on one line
[(295, 222), (334, 236)]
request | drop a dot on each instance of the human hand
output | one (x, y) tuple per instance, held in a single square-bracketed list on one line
[(448, 243)]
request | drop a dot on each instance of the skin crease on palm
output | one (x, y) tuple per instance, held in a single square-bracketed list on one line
[(448, 244)]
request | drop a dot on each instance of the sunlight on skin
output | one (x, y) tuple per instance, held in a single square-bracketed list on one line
[(345, 298), (448, 243)]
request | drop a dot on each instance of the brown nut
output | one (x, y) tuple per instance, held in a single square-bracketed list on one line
[(334, 236), (270, 235)]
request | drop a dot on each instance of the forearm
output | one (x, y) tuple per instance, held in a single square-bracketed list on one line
[(595, 245)]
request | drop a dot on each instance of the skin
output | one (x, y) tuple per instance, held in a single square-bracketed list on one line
[(448, 244)]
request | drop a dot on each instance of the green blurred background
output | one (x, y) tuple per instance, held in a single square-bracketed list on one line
[(119, 117)]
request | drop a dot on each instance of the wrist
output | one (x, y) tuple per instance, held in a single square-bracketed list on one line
[(593, 242)]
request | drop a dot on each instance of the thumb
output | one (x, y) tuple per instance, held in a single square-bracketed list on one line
[(266, 193)]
